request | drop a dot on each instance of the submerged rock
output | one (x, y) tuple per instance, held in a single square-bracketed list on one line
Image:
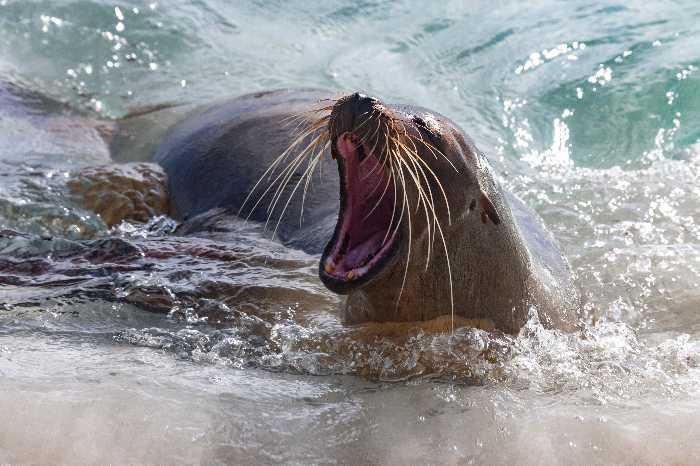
[(134, 191)]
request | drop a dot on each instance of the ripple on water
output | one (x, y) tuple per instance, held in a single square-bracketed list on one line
[(588, 112), (213, 315)]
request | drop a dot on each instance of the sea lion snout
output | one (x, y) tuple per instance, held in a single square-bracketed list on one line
[(365, 239), (348, 110), (361, 102)]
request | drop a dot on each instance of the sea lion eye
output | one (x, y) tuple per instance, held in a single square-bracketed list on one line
[(427, 130), (420, 122)]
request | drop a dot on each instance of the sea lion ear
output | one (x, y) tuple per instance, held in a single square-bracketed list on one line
[(488, 211)]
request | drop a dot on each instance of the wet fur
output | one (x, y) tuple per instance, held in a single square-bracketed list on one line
[(503, 260)]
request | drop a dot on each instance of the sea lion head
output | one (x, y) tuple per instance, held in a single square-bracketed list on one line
[(412, 190)]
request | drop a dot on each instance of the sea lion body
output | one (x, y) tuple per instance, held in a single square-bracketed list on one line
[(216, 155), (504, 263), (474, 251)]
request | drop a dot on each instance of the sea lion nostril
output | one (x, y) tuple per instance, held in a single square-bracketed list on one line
[(349, 112), (361, 97), (363, 103)]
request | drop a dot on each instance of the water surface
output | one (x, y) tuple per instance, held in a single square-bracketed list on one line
[(133, 345)]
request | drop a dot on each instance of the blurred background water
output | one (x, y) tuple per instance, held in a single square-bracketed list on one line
[(588, 110)]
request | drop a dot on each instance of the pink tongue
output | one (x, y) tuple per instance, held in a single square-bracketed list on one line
[(365, 224)]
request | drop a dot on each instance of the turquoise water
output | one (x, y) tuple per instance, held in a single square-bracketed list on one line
[(589, 111), (623, 70)]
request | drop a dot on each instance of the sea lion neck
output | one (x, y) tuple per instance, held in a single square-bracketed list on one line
[(490, 269)]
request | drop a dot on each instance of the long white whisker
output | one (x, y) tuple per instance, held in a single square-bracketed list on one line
[(291, 170), (406, 206), (269, 171), (309, 174)]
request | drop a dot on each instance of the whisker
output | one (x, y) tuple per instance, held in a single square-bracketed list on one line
[(435, 177), (378, 165), (284, 175), (284, 209), (386, 188), (422, 197), (400, 160), (269, 171), (290, 170), (393, 176), (366, 137), (405, 207), (416, 161), (442, 235), (434, 149), (356, 128), (431, 204), (309, 174)]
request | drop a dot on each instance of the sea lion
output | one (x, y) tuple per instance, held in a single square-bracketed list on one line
[(404, 210)]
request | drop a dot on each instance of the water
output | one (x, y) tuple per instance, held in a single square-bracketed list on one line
[(132, 345)]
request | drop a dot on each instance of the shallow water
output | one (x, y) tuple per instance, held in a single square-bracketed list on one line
[(132, 345)]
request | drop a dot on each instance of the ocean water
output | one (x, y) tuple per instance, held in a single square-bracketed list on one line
[(167, 350)]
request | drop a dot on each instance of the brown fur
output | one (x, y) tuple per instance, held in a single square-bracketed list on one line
[(246, 156), (494, 274)]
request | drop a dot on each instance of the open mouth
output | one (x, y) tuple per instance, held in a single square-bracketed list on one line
[(365, 236)]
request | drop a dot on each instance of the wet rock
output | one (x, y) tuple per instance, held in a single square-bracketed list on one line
[(211, 221), (113, 250), (150, 298), (134, 191), (35, 266)]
